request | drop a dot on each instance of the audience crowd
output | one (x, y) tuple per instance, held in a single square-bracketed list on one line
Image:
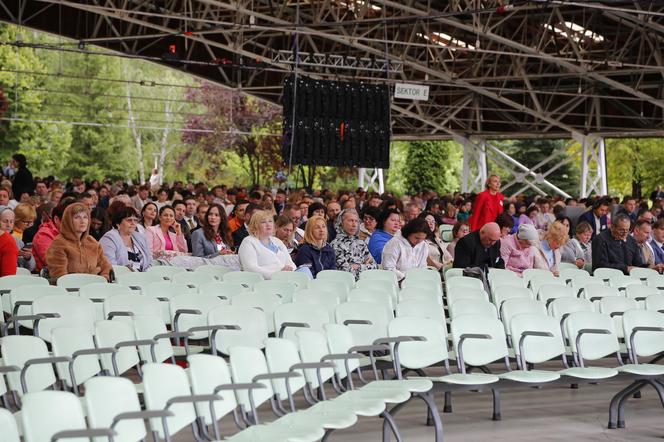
[(59, 227)]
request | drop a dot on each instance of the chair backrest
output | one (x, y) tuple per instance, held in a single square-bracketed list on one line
[(606, 273), (548, 292), (423, 274), (473, 307), (98, 292), (165, 272), (579, 282), (313, 315), (138, 305), (283, 289), (642, 273), (645, 343), (65, 341), (538, 281), (193, 279), (414, 292), (298, 278), (16, 350), (506, 279), (109, 334), (252, 325), (74, 281), (567, 274), (9, 426), (247, 363), (120, 270), (46, 413), (203, 303), (424, 284), (622, 281), (593, 346), (432, 350), (418, 308), (340, 276), (452, 272), (640, 292), (107, 397), (656, 281), (503, 293), (29, 294), (164, 292), (616, 306), (313, 347), (243, 277), (595, 292), (536, 349), (281, 355), (147, 327), (340, 340), (328, 300), (73, 312), (567, 266), (10, 282), (163, 382), (377, 296), (206, 373), (380, 284), (385, 275), (655, 303), (367, 320), (479, 352), (137, 280), (456, 293), (515, 306), (330, 286), (529, 274), (465, 282), (215, 270), (223, 290), (560, 307), (23, 271), (266, 302)]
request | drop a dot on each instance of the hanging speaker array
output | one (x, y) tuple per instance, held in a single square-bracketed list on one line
[(333, 123)]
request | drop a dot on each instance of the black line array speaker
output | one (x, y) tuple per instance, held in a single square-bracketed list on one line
[(331, 123)]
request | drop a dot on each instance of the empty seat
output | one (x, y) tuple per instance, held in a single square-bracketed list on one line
[(606, 273), (7, 283), (473, 307), (215, 270), (368, 321), (165, 272), (342, 277), (193, 279), (465, 282), (242, 277), (251, 327), (283, 289), (298, 278), (223, 290), (266, 302), (74, 281), (289, 318)]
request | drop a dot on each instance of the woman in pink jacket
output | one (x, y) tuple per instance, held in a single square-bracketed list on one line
[(166, 238), (517, 250)]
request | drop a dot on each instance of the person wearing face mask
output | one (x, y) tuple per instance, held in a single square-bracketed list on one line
[(407, 249), (214, 238), (315, 253), (389, 223), (261, 252), (166, 238), (352, 254), (73, 250)]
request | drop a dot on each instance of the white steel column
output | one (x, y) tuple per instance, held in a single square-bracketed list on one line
[(371, 180), (593, 165), (474, 172)]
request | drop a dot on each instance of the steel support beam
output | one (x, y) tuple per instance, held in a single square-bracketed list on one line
[(593, 166), (474, 172), (371, 180)]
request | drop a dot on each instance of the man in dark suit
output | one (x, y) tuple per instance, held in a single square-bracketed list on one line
[(657, 242), (629, 208), (616, 248), (180, 209), (596, 217), (480, 248), (242, 232)]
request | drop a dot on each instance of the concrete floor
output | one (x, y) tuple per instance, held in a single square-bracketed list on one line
[(551, 414)]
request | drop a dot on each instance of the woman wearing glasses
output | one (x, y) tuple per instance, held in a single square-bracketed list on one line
[(123, 244)]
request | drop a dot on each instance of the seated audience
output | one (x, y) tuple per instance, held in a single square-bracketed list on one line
[(407, 249), (261, 252), (166, 239), (548, 250), (438, 257), (506, 224), (123, 245), (460, 229), (370, 217), (641, 233), (100, 223), (615, 248), (530, 216), (597, 217), (388, 224), (315, 253), (657, 242), (47, 233), (24, 217), (149, 214), (74, 250), (352, 254), (243, 231), (215, 237), (517, 250), (480, 248), (284, 229), (25, 258), (578, 250)]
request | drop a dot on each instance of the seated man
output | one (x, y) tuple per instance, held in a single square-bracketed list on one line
[(480, 248), (597, 216), (615, 248)]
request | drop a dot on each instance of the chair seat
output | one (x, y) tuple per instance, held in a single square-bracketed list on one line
[(272, 432), (366, 362), (193, 350), (589, 372), (466, 379), (642, 369), (414, 385), (532, 376), (390, 395), (327, 418), (362, 406)]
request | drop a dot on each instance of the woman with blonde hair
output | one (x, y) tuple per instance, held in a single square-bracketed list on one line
[(315, 253), (261, 251), (548, 250), (25, 215)]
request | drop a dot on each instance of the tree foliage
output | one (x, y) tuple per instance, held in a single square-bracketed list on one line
[(432, 165), (634, 165)]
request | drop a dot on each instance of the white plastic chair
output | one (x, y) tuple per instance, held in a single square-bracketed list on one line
[(7, 283), (623, 281), (424, 285), (21, 299), (640, 342), (538, 281), (298, 278), (137, 280), (368, 321), (384, 275), (616, 306), (163, 292), (452, 272), (223, 290), (592, 337), (266, 302), (423, 274), (503, 293), (529, 274), (165, 272), (480, 307), (656, 281), (192, 280), (536, 338), (640, 292), (330, 286), (120, 270), (23, 352), (515, 306), (453, 295), (463, 282), (289, 318), (251, 326), (119, 335), (215, 270), (506, 279), (328, 300), (9, 426), (606, 273), (340, 276), (417, 308), (189, 311), (371, 295), (78, 344), (549, 292), (72, 282), (98, 292), (563, 266), (408, 293), (655, 303), (243, 277), (283, 289), (642, 273), (569, 273), (124, 306), (594, 292), (380, 284), (71, 311)]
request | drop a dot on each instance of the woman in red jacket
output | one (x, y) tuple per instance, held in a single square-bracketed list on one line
[(488, 204)]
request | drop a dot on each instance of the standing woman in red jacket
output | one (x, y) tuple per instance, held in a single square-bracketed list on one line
[(488, 204)]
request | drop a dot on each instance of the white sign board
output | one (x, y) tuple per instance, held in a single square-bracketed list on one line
[(411, 91)]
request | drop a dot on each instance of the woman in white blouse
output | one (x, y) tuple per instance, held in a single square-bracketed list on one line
[(407, 249), (261, 251)]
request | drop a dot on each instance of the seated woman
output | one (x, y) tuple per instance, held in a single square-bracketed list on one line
[(25, 258), (73, 250), (517, 250), (214, 238), (460, 229), (548, 250), (407, 249), (9, 251), (530, 216), (389, 223), (315, 253), (506, 224), (438, 257), (352, 254), (261, 252), (149, 214), (123, 245), (370, 217), (285, 231), (25, 215), (166, 238), (578, 250)]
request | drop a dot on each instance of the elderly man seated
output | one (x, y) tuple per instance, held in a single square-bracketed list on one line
[(480, 248), (615, 248)]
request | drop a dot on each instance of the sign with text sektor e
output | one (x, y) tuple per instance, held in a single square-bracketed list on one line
[(411, 91)]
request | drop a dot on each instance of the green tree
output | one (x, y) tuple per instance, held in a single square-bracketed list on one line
[(634, 166), (432, 165)]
